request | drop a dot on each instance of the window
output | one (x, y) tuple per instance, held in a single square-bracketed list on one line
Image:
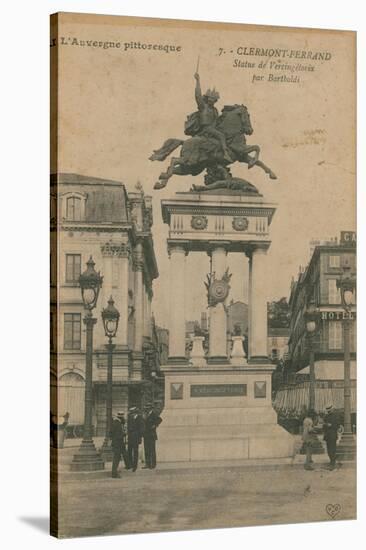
[(73, 209), (334, 261), (335, 334), (72, 331), (334, 296), (73, 268)]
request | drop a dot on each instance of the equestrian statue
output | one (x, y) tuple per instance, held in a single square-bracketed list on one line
[(216, 141)]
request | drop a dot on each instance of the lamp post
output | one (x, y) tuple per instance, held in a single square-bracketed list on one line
[(110, 317), (154, 375), (347, 284), (312, 323), (311, 320), (87, 457)]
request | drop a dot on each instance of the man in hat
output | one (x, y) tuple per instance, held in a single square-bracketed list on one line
[(309, 438), (118, 436), (152, 421), (208, 116), (135, 430), (331, 425)]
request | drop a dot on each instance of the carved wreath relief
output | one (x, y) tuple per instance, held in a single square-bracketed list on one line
[(199, 222), (240, 223)]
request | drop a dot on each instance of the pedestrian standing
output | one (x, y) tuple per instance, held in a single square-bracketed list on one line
[(152, 421), (118, 437), (309, 438), (331, 425), (135, 432)]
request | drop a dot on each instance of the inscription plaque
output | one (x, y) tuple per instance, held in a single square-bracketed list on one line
[(218, 390)]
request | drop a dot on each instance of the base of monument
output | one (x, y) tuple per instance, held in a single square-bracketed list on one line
[(224, 442), (215, 413)]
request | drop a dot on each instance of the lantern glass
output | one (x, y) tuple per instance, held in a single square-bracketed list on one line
[(110, 316), (310, 326), (111, 326), (89, 296), (90, 282), (348, 297)]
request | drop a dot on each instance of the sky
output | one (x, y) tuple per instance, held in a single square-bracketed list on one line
[(118, 104)]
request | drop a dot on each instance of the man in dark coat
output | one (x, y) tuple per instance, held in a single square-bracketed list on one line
[(118, 443), (135, 429), (152, 421), (331, 425)]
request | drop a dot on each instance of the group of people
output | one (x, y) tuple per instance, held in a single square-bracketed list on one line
[(329, 428), (137, 428)]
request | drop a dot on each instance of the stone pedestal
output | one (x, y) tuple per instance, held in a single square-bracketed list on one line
[(221, 408), (219, 413)]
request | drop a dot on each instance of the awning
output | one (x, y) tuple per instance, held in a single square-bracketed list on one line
[(293, 400)]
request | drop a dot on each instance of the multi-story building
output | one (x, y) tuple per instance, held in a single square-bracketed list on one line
[(317, 283), (97, 217)]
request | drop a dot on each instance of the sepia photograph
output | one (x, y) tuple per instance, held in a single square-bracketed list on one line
[(203, 275), (182, 208)]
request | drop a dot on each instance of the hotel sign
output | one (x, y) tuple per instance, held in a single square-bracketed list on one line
[(348, 238), (337, 315), (218, 390)]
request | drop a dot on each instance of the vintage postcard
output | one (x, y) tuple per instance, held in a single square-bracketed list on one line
[(203, 289)]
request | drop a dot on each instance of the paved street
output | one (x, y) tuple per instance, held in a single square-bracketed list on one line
[(153, 500)]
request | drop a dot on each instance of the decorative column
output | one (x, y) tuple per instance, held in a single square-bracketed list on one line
[(258, 306), (218, 316), (119, 253), (147, 306), (149, 314), (107, 251), (177, 328), (249, 255), (139, 298), (123, 302)]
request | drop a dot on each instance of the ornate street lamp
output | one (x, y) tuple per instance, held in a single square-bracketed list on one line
[(311, 322), (312, 319), (347, 284), (90, 283), (87, 458), (110, 317), (154, 376)]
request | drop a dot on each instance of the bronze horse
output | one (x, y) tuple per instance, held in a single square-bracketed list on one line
[(200, 152)]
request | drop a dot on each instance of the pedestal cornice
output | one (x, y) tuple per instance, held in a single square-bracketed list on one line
[(222, 368)]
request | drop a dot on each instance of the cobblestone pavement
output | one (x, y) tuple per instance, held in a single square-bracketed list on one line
[(167, 500)]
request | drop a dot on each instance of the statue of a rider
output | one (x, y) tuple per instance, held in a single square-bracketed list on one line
[(203, 122), (215, 141)]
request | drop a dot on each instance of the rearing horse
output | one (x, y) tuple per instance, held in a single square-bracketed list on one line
[(200, 152)]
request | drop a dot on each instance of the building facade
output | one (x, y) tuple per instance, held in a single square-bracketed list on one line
[(97, 217), (317, 283)]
